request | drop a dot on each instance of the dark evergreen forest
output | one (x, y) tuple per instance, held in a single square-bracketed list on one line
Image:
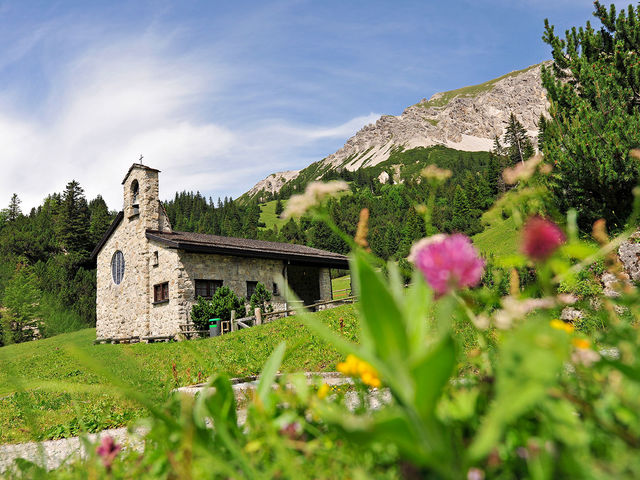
[(44, 261), (45, 253)]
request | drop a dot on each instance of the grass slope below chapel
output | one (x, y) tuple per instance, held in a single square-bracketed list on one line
[(498, 239), (50, 387)]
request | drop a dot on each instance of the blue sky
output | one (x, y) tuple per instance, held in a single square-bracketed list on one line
[(219, 94)]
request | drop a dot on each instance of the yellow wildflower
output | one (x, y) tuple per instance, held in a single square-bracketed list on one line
[(560, 325), (370, 378), (350, 366), (581, 343), (354, 367), (323, 391)]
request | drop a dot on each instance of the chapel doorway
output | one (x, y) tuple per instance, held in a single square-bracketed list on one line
[(305, 282)]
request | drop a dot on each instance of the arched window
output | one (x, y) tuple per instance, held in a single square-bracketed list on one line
[(134, 192), (117, 267)]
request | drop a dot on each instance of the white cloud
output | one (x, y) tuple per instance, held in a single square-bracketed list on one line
[(113, 102), (343, 131)]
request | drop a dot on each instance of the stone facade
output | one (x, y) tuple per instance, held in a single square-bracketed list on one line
[(124, 310), (128, 309), (234, 272)]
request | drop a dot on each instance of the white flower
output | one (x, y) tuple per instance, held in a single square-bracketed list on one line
[(514, 309), (433, 172), (522, 171), (315, 193)]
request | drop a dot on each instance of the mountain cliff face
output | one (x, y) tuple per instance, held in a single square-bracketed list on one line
[(466, 119), (273, 183)]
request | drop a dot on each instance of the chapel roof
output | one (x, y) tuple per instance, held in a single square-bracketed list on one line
[(140, 166), (242, 247), (204, 243), (114, 224)]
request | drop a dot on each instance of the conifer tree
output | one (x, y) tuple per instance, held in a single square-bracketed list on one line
[(14, 211), (74, 220), (498, 148), (594, 89), (100, 219), (461, 211), (542, 128), (279, 207), (21, 297), (519, 147)]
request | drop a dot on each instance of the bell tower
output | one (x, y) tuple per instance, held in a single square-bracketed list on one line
[(141, 197)]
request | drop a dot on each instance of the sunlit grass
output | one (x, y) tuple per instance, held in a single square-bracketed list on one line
[(498, 239), (49, 388), (341, 283), (268, 214)]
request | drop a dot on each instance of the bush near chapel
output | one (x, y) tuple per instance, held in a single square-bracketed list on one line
[(260, 299), (220, 306)]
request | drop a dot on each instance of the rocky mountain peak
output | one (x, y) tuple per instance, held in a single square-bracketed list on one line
[(468, 119)]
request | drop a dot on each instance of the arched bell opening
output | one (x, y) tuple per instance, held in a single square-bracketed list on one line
[(135, 190)]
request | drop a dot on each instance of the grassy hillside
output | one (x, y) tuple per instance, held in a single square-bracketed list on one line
[(499, 238), (268, 214), (409, 163), (341, 283), (54, 387)]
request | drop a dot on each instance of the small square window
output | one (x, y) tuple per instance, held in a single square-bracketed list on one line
[(161, 292), (155, 259), (206, 288), (276, 291), (251, 288)]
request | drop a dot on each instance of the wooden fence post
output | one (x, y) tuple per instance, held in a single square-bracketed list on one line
[(258, 313), (234, 325)]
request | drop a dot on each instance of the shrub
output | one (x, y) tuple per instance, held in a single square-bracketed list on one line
[(220, 306), (224, 301), (260, 298), (588, 140), (201, 312)]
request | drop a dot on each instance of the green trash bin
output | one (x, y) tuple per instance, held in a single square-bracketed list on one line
[(214, 327)]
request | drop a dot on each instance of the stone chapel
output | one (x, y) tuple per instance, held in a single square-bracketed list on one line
[(149, 276)]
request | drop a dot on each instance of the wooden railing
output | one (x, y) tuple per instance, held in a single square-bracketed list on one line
[(322, 303), (338, 294), (188, 330)]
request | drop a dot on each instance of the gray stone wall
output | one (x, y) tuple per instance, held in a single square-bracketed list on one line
[(149, 211), (326, 290), (165, 318), (233, 271), (124, 310)]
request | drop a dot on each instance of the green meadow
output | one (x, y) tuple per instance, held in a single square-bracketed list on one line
[(63, 385)]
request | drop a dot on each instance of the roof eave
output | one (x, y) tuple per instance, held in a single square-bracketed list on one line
[(107, 234), (141, 166), (240, 252)]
